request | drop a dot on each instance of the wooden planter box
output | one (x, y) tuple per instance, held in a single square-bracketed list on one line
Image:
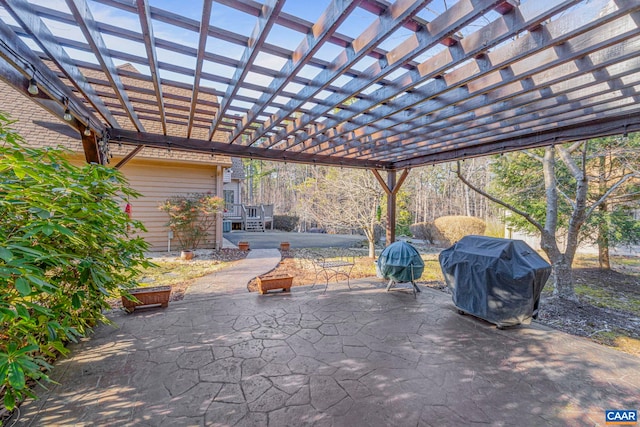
[(243, 246), (267, 283), (284, 246), (147, 296)]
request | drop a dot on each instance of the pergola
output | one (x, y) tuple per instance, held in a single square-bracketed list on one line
[(367, 83)]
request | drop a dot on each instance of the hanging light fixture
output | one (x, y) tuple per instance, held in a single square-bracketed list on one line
[(87, 130), (67, 113), (33, 86)]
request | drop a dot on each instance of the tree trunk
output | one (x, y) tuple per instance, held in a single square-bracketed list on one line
[(372, 249), (603, 225), (563, 280), (371, 236), (603, 239), (561, 272)]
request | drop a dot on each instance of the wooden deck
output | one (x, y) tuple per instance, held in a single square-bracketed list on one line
[(250, 217)]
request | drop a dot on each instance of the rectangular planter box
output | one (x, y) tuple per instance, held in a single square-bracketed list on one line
[(148, 296), (284, 246), (243, 246), (267, 283)]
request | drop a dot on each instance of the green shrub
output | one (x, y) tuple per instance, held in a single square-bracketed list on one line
[(450, 229), (403, 230), (285, 222), (424, 231), (191, 217), (64, 249)]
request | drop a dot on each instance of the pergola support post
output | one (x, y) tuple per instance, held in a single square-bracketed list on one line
[(391, 188), (91, 150), (219, 240)]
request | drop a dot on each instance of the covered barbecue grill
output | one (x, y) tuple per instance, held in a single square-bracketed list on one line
[(400, 263), (498, 280)]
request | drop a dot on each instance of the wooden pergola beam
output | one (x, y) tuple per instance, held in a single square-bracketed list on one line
[(86, 23), (21, 12), (269, 12), (386, 25), (566, 117), (15, 52), (597, 128), (332, 17), (443, 129), (459, 15), (129, 156), (423, 120), (171, 46), (207, 147), (197, 75), (144, 14), (530, 118), (404, 91), (402, 95)]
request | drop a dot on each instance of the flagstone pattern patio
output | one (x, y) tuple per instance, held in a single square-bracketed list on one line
[(345, 358)]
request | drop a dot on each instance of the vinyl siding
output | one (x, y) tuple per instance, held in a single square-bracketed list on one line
[(157, 181)]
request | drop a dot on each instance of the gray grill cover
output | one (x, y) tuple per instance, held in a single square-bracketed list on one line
[(499, 280), (400, 262)]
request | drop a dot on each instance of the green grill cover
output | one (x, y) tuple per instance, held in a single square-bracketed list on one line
[(400, 262)]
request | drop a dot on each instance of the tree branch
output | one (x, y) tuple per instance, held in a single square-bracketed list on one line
[(574, 146), (565, 155), (533, 155), (566, 197), (613, 188), (498, 201)]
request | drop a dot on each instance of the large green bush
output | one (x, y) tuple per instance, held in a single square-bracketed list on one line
[(64, 249), (450, 229)]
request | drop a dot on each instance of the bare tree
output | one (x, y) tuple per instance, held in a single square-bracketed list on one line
[(346, 200), (521, 186)]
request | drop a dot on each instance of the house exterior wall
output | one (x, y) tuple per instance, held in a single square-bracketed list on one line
[(158, 180), (155, 173)]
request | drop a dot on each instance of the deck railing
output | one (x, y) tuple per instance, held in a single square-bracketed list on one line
[(250, 217)]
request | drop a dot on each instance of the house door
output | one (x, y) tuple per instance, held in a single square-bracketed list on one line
[(229, 197)]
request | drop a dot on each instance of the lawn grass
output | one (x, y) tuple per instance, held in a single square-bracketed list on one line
[(171, 272)]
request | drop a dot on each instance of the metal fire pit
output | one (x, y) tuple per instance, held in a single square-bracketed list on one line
[(400, 263)]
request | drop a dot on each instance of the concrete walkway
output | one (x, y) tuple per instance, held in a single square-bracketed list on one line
[(363, 357), (234, 280)]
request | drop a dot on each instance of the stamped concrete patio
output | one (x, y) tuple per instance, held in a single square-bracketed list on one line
[(345, 358)]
